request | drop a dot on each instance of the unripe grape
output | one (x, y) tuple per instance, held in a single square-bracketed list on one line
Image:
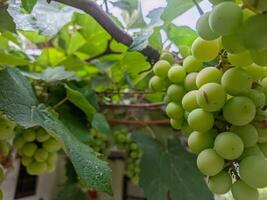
[(208, 75), (203, 28), (228, 145), (236, 81), (251, 151), (37, 168), (259, 57), (161, 68), (209, 162), (157, 84), (51, 145), (174, 111), (175, 92), (189, 101), (225, 18), (29, 149), (211, 97), (19, 142), (190, 81), (29, 135), (198, 142), (248, 133), (204, 50), (50, 167), (220, 183), (167, 56), (255, 71), (242, 59), (257, 97), (200, 120), (239, 111), (26, 161), (176, 74), (191, 64), (6, 128), (176, 123), (263, 148), (242, 191), (40, 155), (233, 44), (42, 135), (52, 158), (253, 171), (4, 148)]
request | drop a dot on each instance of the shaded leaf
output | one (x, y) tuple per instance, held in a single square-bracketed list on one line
[(6, 21), (28, 5), (71, 192), (51, 57), (169, 169), (100, 123), (13, 59)]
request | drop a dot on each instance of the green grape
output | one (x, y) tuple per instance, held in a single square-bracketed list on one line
[(37, 168), (42, 135), (257, 97), (233, 44), (253, 171), (203, 28), (211, 97), (220, 183), (176, 74), (52, 158), (166, 100), (191, 64), (262, 134), (264, 85), (189, 101), (51, 145), (215, 2), (209, 162), (2, 174), (4, 148), (208, 75), (190, 81), (200, 120), (228, 145), (41, 155), (225, 18), (175, 92), (161, 68), (239, 111), (263, 148), (242, 191), (29, 135), (204, 50), (248, 133), (251, 151), (177, 123), (6, 128), (236, 81), (174, 111), (198, 142), (157, 84), (240, 60), (259, 57), (50, 168), (29, 149), (254, 32), (19, 142), (255, 71), (260, 5), (167, 56), (26, 161)]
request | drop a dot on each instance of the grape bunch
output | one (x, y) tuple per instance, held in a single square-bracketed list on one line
[(222, 107), (99, 141), (133, 154), (38, 151)]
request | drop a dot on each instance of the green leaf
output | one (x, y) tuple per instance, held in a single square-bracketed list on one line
[(28, 5), (155, 40), (6, 21), (140, 41), (182, 37), (71, 192), (51, 57), (14, 59), (79, 100), (100, 123), (128, 5), (176, 8), (169, 169), (18, 102), (34, 36)]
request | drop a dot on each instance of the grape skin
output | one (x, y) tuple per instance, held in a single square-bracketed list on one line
[(208, 75), (174, 111), (190, 81), (189, 101), (198, 142), (248, 133), (220, 183), (242, 59), (176, 74), (175, 92), (200, 120), (161, 68), (242, 191), (191, 64)]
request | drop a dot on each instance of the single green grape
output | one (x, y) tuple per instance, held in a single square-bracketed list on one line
[(248, 133), (242, 59), (176, 123), (176, 74), (26, 161), (259, 57), (220, 183), (208, 75), (209, 162), (161, 68), (5, 148), (52, 157), (167, 56), (251, 151), (175, 92), (29, 135), (157, 84), (174, 111), (6, 128), (242, 191), (19, 142), (255, 71), (191, 64), (37, 168), (190, 81), (233, 44), (42, 135), (200, 120), (189, 101), (40, 155), (29, 149), (198, 142)]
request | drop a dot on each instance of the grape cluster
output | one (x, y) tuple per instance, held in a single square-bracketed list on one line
[(38, 151), (222, 108), (133, 154), (99, 141)]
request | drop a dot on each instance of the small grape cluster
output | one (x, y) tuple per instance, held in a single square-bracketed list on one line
[(133, 154), (38, 151), (222, 108), (99, 141)]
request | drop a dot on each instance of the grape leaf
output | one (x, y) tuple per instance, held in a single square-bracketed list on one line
[(70, 192), (51, 57), (169, 168), (6, 21), (17, 101), (28, 5), (100, 123)]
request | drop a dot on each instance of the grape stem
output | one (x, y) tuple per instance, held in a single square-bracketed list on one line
[(60, 103), (146, 106), (201, 12), (162, 122)]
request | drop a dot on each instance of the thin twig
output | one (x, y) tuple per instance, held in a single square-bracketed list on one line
[(201, 12), (60, 103), (161, 122), (146, 106), (106, 6)]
